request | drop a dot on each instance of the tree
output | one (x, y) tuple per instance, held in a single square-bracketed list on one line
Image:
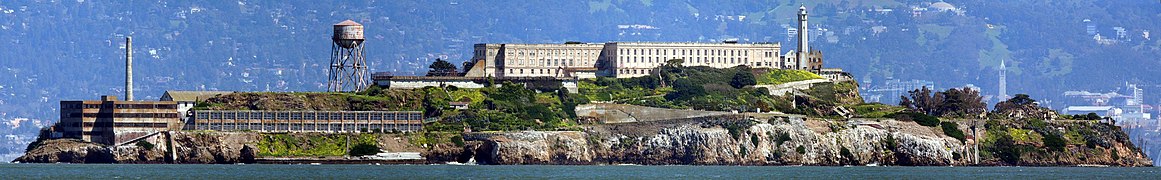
[(442, 68), (363, 149), (1021, 100), (685, 89), (954, 102), (1018, 101), (921, 101), (960, 103), (743, 79), (1092, 116)]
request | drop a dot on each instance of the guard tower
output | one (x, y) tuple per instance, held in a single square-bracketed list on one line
[(348, 70)]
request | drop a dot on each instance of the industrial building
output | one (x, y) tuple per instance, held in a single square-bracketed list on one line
[(306, 121), (109, 121)]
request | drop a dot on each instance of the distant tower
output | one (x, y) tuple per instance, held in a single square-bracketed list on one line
[(1003, 81), (803, 39), (128, 68), (348, 63)]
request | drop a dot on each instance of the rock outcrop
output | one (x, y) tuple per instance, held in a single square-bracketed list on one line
[(745, 141), (67, 151)]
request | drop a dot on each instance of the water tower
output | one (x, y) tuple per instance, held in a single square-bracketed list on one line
[(348, 69)]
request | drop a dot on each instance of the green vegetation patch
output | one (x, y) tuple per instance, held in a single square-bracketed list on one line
[(952, 129), (780, 76), (311, 145), (876, 110), (920, 118), (373, 98)]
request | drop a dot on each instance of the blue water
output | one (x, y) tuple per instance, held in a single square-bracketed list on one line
[(270, 171)]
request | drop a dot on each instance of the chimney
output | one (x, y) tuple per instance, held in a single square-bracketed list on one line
[(128, 68)]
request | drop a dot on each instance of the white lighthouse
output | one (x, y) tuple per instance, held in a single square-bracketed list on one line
[(803, 39)]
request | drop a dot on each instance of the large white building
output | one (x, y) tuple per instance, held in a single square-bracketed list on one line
[(635, 59), (617, 59)]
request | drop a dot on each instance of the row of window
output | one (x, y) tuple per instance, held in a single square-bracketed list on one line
[(552, 62), (247, 115), (689, 52), (696, 60), (634, 71), (566, 52), (117, 125), (307, 127), (122, 115), (514, 71), (117, 106)]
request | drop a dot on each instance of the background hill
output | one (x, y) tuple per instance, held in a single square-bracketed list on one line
[(71, 49)]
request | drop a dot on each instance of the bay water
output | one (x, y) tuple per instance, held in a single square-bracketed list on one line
[(365, 171)]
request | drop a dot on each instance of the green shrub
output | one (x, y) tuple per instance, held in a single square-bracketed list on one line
[(363, 149), (891, 142), (846, 154), (952, 129), (922, 119), (458, 140), (1054, 141), (145, 144), (754, 139), (737, 128), (800, 149), (783, 137)]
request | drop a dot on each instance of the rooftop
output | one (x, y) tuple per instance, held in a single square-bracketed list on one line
[(191, 95)]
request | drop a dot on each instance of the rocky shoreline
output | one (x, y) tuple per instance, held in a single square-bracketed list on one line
[(718, 140)]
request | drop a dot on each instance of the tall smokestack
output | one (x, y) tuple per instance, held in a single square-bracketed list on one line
[(128, 68)]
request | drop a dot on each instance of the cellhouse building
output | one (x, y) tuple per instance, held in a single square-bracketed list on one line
[(635, 59)]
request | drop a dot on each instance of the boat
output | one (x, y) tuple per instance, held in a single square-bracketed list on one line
[(873, 165), (315, 164)]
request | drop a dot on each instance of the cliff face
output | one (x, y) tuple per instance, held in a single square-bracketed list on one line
[(721, 140), (189, 148), (211, 148), (710, 141)]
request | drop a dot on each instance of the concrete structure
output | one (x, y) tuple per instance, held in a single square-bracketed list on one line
[(803, 38), (188, 99), (532, 60), (415, 82), (631, 59), (636, 59), (348, 68), (109, 121), (306, 121), (616, 59), (129, 68), (835, 75)]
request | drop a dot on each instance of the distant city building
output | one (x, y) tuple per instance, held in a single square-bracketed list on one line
[(1089, 27), (1120, 107), (109, 121), (891, 90), (1122, 34)]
